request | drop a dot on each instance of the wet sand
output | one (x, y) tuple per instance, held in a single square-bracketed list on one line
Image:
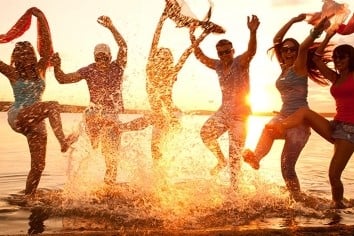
[(308, 231)]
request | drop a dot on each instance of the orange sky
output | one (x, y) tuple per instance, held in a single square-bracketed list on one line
[(75, 32)]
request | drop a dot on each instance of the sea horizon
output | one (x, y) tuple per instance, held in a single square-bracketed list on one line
[(69, 108)]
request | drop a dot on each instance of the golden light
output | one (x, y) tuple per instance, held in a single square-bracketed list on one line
[(254, 129), (261, 100)]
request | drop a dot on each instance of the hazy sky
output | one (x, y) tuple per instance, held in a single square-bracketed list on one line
[(75, 32)]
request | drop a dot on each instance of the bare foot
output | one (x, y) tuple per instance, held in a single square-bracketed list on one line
[(218, 167), (250, 158), (69, 140), (338, 205)]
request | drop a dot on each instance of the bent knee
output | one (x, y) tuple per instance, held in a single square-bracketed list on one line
[(53, 105), (207, 135)]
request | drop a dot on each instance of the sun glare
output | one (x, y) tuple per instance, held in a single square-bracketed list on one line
[(260, 100), (254, 129)]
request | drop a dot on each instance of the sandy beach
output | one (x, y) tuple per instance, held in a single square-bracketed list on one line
[(305, 231)]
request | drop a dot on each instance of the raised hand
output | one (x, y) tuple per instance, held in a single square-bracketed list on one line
[(172, 9), (105, 21), (36, 12), (324, 23), (55, 60), (253, 23), (300, 17)]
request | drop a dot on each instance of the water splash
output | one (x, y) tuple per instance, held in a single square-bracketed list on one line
[(175, 193)]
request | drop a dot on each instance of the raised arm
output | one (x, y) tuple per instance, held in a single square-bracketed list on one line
[(279, 36), (156, 38), (61, 77), (199, 54), (190, 49), (8, 71), (122, 54), (45, 44), (300, 64), (327, 72), (253, 24)]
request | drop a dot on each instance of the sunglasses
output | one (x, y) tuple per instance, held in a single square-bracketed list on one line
[(225, 52), (101, 58), (288, 49)]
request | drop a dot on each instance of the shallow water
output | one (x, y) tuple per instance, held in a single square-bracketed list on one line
[(178, 194)]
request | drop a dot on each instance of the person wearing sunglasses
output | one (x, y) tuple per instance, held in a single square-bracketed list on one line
[(232, 115), (340, 130), (28, 112), (296, 67), (104, 79)]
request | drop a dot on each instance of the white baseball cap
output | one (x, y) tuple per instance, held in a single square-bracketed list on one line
[(102, 48)]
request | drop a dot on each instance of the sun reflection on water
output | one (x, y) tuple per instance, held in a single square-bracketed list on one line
[(176, 192)]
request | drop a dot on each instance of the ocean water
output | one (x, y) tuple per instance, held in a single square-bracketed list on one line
[(176, 195)]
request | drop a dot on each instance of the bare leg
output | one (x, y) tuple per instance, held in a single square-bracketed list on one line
[(237, 139), (136, 124), (94, 126), (264, 145), (158, 139), (210, 133), (31, 116), (342, 154), (111, 142), (37, 142), (304, 115)]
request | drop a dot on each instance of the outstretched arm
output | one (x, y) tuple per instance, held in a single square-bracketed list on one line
[(8, 71), (156, 38), (61, 77), (189, 50), (199, 54), (327, 72), (44, 40), (123, 48), (253, 24), (279, 36), (300, 64)]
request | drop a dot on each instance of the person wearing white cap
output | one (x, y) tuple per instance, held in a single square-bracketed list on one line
[(104, 80)]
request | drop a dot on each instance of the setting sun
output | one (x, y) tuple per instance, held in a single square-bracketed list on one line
[(262, 100)]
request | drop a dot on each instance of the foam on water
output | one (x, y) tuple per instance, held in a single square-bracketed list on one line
[(175, 193)]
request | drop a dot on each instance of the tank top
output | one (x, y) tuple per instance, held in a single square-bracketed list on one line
[(293, 91), (343, 95)]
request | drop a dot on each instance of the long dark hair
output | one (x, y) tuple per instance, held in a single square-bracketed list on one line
[(326, 57), (313, 73), (21, 47), (345, 50)]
